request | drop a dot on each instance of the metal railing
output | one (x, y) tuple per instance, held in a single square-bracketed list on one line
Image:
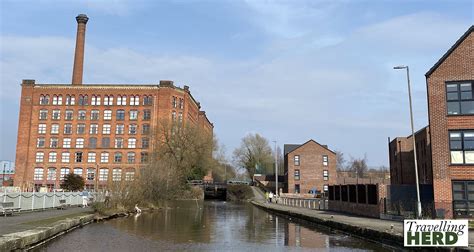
[(32, 201), (310, 203)]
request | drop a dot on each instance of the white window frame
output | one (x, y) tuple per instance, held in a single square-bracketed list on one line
[(65, 157), (39, 172), (53, 157), (108, 114), (39, 157), (132, 143), (106, 129), (79, 143), (42, 128), (55, 128), (104, 157), (103, 174), (91, 157), (67, 142)]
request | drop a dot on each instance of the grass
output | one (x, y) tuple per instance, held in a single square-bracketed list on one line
[(49, 221), (471, 224)]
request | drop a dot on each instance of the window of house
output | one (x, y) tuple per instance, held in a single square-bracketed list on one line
[(78, 171), (94, 129), (146, 129), (145, 143), (39, 157), (104, 157), (174, 102), (106, 100), (69, 115), (297, 188), (119, 100), (131, 157), (132, 142), (105, 142), (297, 174), (53, 142), (133, 114), (106, 129), (119, 129), (325, 175), (81, 115), (51, 173), (91, 157), (78, 157), (129, 175), (66, 142), (53, 157), (118, 142), (70, 100), (144, 157), (461, 144), (41, 128), (57, 100), (55, 129), (120, 114), (95, 115), (463, 198), (181, 103), (63, 173), (460, 98), (296, 160), (81, 128), (80, 143), (326, 188), (137, 100), (65, 157), (146, 114), (67, 128), (325, 160), (44, 99), (180, 117), (92, 142), (107, 114), (83, 100), (132, 129), (147, 100), (124, 100), (90, 174), (132, 100), (95, 100), (40, 143), (38, 173), (103, 174), (43, 115), (116, 174), (117, 157), (173, 116), (56, 114)]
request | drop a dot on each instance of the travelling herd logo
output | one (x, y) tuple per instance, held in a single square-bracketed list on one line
[(436, 233)]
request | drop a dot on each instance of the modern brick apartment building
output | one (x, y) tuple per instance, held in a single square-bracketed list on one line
[(450, 85), (309, 166), (99, 131), (402, 168)]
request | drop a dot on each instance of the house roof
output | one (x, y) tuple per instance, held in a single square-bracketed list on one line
[(288, 148), (446, 55)]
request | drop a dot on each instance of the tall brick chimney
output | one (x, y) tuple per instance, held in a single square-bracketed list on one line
[(79, 53)]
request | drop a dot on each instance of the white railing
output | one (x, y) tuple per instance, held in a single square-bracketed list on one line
[(31, 201), (310, 203)]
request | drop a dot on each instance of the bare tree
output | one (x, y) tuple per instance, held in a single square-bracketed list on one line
[(340, 161), (358, 166), (253, 154)]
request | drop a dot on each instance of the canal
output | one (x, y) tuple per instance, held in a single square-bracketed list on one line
[(204, 226)]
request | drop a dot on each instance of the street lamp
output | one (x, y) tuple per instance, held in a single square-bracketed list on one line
[(3, 177), (413, 138), (276, 169)]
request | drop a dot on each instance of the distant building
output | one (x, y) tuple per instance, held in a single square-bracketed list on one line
[(450, 86), (309, 166), (7, 170), (402, 165)]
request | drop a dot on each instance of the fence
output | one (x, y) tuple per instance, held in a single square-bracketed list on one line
[(31, 201), (311, 203)]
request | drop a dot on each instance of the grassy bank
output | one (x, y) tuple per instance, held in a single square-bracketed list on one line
[(239, 193)]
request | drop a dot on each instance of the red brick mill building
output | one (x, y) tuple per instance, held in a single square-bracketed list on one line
[(99, 131)]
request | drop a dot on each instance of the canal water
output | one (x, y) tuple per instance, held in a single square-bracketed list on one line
[(206, 226)]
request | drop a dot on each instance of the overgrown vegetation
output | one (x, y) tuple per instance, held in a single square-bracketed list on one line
[(73, 182)]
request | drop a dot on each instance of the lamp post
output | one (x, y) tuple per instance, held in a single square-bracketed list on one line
[(276, 169), (3, 177), (418, 203)]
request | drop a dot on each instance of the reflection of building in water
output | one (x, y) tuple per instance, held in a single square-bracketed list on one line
[(298, 236)]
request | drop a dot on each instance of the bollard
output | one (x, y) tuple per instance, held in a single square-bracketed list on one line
[(19, 201), (44, 201), (4, 196), (32, 200), (54, 199)]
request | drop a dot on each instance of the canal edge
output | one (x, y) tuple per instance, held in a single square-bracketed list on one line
[(385, 238)]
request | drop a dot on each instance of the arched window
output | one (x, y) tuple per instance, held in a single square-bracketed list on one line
[(95, 100), (117, 174), (60, 100), (103, 174), (64, 172), (44, 99), (83, 100), (90, 174), (147, 100), (38, 173), (52, 173), (70, 100), (117, 157), (124, 100), (55, 100), (131, 157), (92, 142), (78, 171)]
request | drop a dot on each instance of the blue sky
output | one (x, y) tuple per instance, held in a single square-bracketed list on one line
[(289, 70)]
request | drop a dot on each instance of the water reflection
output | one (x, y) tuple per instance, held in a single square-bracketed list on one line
[(210, 225)]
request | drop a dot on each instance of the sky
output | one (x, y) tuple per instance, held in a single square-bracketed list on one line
[(288, 70)]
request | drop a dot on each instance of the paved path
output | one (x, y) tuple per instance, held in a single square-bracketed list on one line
[(29, 220)]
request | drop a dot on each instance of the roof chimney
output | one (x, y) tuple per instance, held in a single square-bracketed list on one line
[(79, 53)]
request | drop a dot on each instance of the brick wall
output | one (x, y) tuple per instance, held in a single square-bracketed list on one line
[(457, 66)]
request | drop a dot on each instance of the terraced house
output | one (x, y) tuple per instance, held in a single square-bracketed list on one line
[(99, 131)]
